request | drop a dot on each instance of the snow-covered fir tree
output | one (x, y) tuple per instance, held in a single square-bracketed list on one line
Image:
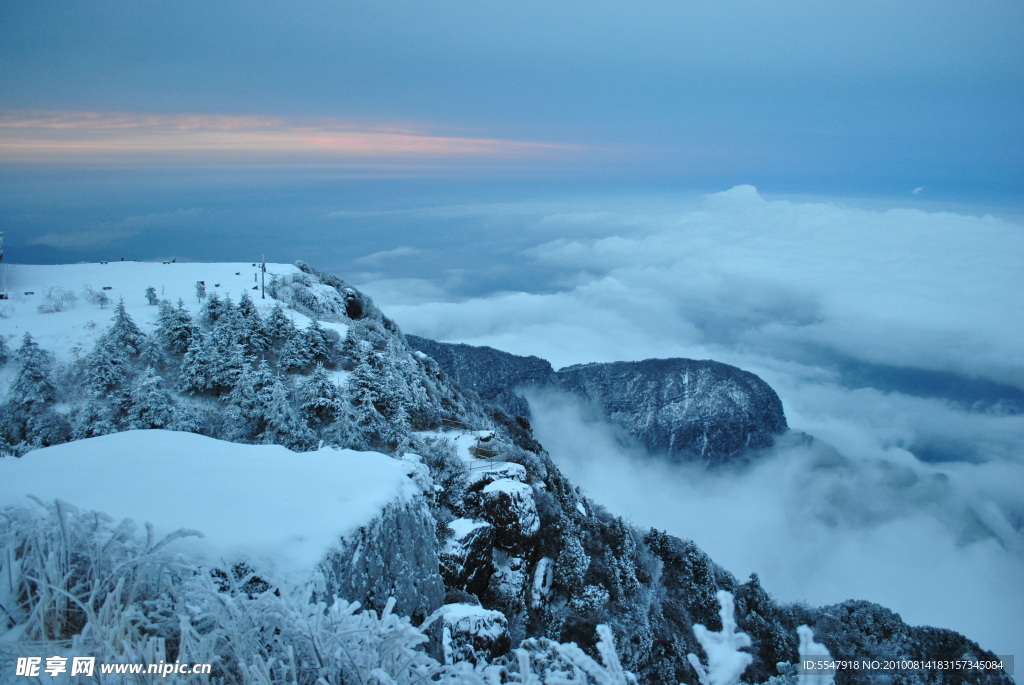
[(124, 336), (249, 401), (150, 404), (278, 326), (283, 425), (175, 329), (320, 399), (28, 417)]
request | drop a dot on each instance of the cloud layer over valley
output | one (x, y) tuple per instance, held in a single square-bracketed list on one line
[(892, 336)]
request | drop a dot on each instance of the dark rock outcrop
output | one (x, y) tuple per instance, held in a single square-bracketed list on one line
[(466, 556)]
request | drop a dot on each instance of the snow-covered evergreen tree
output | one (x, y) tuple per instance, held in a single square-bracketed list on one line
[(151, 297), (150, 404), (376, 404), (95, 418), (33, 384), (320, 399), (278, 326), (196, 375), (228, 363), (321, 343), (153, 353), (211, 310), (295, 356), (252, 334), (106, 369), (249, 401), (175, 328), (124, 335), (28, 416), (283, 424)]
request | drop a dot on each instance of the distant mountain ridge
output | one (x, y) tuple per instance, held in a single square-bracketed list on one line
[(689, 410)]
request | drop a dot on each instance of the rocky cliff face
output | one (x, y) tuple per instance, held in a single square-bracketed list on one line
[(683, 408)]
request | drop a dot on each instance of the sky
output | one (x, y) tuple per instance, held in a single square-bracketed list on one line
[(827, 194), (794, 96)]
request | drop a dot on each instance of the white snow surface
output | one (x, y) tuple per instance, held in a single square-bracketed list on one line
[(278, 510), (518, 490), (79, 326)]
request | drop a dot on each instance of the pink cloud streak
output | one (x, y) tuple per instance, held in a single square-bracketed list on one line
[(118, 136)]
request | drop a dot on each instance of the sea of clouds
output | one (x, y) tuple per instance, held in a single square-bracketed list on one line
[(892, 335)]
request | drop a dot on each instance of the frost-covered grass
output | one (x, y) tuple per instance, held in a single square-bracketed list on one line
[(77, 583)]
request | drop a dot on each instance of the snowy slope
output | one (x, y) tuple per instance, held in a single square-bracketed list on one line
[(281, 511), (78, 326)]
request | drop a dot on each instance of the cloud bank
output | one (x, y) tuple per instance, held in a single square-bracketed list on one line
[(743, 276), (940, 546), (892, 336)]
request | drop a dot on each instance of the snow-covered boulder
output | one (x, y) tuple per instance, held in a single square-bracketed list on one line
[(480, 478), (509, 506), (466, 632), (466, 556)]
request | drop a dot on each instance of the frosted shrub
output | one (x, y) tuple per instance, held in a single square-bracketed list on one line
[(809, 649), (543, 661), (57, 300), (97, 297), (66, 573), (726, 662)]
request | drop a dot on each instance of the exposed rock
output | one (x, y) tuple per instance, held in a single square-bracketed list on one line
[(466, 556), (467, 632)]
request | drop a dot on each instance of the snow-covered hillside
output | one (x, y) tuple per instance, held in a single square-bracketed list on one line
[(168, 394), (71, 331)]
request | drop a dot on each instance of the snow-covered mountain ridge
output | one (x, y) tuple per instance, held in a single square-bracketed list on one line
[(686, 409), (316, 362)]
